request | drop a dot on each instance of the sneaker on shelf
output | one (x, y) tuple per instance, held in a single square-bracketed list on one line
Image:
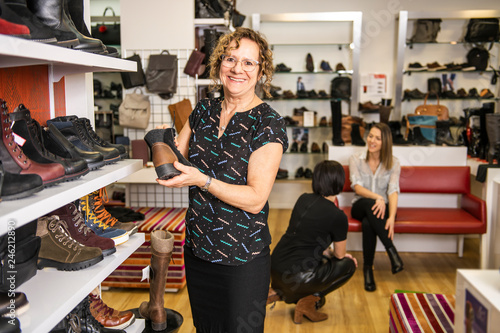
[(99, 227), (282, 68), (100, 197), (486, 93), (108, 317), (416, 67), (79, 230), (59, 250), (435, 66)]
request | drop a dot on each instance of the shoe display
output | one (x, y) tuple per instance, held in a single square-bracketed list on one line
[(416, 67), (416, 137), (282, 68), (308, 174), (79, 231), (109, 317), (300, 173), (356, 138), (100, 197), (339, 67), (98, 226), (323, 122), (473, 93), (288, 94), (18, 298), (303, 147), (397, 138), (325, 66), (323, 94), (309, 63), (16, 162), (13, 29), (96, 139), (315, 148), (435, 66), (294, 148), (59, 250), (461, 93), (486, 93), (31, 131), (165, 152), (282, 174), (14, 186), (336, 108)]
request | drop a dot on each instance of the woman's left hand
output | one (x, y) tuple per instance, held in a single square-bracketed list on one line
[(389, 225), (189, 176), (379, 208)]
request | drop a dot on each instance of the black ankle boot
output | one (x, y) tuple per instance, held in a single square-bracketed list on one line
[(356, 138), (162, 145), (396, 262), (369, 279)]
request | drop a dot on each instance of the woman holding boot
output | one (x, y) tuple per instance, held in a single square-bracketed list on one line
[(304, 266), (374, 176), (236, 142)]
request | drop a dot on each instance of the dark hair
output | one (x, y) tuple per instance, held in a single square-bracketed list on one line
[(386, 149), (328, 178), (265, 55)]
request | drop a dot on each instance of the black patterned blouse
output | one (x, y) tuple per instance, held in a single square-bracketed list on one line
[(216, 231)]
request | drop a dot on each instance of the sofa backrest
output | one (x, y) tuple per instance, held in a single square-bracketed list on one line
[(428, 179)]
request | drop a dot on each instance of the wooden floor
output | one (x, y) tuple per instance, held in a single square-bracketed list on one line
[(351, 308)]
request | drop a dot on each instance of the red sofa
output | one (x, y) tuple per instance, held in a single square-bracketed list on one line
[(468, 218)]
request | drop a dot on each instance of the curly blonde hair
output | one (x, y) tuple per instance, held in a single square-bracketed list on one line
[(265, 56)]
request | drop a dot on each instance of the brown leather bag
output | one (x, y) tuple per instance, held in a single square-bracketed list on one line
[(347, 122), (193, 65), (441, 111)]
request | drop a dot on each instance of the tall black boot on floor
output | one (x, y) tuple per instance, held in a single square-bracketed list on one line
[(369, 279), (336, 107), (396, 262), (356, 138), (162, 145)]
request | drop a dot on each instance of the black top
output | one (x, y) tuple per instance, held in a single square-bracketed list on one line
[(215, 230), (315, 223)]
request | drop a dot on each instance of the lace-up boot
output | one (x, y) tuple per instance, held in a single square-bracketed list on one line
[(97, 225), (96, 139), (30, 130), (15, 161), (79, 230), (87, 323), (100, 197), (108, 317), (60, 250)]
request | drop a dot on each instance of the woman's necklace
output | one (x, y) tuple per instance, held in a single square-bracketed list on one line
[(223, 128)]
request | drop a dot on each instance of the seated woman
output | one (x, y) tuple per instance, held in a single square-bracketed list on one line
[(304, 266)]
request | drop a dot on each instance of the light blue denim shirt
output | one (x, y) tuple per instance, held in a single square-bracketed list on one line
[(383, 182)]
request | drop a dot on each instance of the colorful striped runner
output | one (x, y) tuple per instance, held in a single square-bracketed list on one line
[(421, 313)]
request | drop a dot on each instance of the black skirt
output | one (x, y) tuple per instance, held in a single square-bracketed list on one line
[(228, 299)]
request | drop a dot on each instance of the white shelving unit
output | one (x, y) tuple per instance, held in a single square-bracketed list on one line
[(51, 293)]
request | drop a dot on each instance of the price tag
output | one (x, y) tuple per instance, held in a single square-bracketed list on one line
[(145, 273)]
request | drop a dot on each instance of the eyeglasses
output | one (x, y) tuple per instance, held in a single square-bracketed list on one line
[(247, 65)]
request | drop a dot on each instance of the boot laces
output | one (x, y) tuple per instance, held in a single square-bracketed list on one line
[(74, 323), (100, 306), (92, 133), (79, 222), (7, 131), (100, 197), (63, 235), (90, 216)]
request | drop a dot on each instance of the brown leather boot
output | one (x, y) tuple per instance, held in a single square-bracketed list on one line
[(162, 244), (306, 306), (273, 297)]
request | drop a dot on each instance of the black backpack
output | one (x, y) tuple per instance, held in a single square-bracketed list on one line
[(426, 31), (478, 57), (341, 87), (480, 30)]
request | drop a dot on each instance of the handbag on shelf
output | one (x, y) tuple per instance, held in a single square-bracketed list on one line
[(482, 30), (479, 58), (427, 124), (438, 110), (109, 33), (161, 74), (135, 110), (134, 79), (193, 65), (426, 31)]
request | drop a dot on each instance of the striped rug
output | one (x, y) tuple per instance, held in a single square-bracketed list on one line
[(422, 313), (129, 273)]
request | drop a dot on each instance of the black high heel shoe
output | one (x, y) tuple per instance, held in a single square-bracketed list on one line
[(396, 262), (369, 279), (162, 145)]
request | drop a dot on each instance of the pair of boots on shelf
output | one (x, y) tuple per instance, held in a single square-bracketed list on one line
[(76, 236), (355, 131), (47, 157), (57, 22), (304, 172)]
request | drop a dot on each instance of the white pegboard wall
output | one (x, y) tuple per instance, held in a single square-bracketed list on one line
[(159, 107), (154, 195)]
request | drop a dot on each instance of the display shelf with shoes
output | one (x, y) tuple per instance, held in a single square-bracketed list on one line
[(445, 55)]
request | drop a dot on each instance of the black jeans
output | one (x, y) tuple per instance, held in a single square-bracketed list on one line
[(372, 227)]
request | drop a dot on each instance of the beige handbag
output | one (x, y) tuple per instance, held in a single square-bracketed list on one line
[(135, 110), (439, 110)]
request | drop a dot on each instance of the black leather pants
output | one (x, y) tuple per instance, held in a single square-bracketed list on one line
[(329, 275)]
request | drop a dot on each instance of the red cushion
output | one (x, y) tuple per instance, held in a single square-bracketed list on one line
[(429, 221)]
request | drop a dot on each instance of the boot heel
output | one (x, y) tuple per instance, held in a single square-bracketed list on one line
[(297, 317), (167, 171), (159, 326)]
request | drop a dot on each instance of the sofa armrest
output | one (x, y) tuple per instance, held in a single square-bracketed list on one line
[(474, 206)]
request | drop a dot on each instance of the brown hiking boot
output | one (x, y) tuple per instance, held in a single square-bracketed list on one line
[(108, 317), (99, 197), (80, 232), (61, 251)]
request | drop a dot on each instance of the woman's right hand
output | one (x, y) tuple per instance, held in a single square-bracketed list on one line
[(379, 208)]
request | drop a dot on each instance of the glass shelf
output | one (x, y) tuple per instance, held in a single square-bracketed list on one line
[(322, 72)]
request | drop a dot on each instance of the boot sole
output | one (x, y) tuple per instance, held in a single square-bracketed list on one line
[(108, 252), (22, 194), (166, 171), (96, 165), (42, 263), (74, 176)]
